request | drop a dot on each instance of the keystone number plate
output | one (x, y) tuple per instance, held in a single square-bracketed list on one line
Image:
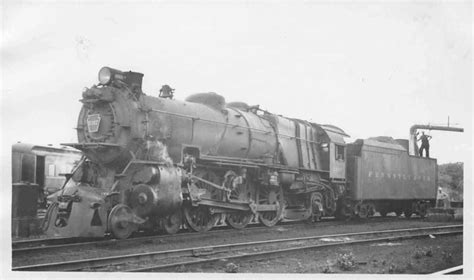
[(93, 122)]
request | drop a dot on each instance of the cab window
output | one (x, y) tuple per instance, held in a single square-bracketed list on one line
[(52, 170), (28, 168), (340, 152)]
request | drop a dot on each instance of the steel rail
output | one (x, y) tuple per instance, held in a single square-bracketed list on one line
[(192, 252), (29, 246), (23, 244), (266, 254), (46, 244)]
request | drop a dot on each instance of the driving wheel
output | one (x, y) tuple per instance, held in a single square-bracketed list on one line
[(274, 196), (239, 219), (200, 218)]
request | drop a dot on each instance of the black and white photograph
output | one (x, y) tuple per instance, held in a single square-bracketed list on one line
[(243, 139)]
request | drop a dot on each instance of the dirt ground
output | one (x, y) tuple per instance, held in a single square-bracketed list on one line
[(410, 256), (419, 256)]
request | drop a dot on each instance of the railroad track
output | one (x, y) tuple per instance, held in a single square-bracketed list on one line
[(170, 260), (49, 244)]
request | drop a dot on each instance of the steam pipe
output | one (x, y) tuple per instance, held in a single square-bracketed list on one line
[(414, 128)]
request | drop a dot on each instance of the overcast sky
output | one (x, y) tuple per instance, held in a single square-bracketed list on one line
[(371, 69)]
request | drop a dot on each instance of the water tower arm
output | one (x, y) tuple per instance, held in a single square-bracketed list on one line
[(414, 128)]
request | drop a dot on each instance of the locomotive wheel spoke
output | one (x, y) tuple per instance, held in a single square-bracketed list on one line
[(199, 218), (272, 196), (239, 220), (120, 221)]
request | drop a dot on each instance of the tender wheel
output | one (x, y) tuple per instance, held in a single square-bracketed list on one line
[(422, 210), (370, 209), (383, 213), (200, 218), (363, 211), (273, 196), (121, 221), (172, 223), (398, 212), (408, 213)]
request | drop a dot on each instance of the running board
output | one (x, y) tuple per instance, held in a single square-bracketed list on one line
[(89, 146), (235, 205)]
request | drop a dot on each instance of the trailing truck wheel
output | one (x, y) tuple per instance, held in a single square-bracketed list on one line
[(172, 223), (344, 213), (344, 209), (272, 196), (121, 221), (200, 218), (317, 208)]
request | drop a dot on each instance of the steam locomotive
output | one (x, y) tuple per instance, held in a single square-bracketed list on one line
[(156, 163)]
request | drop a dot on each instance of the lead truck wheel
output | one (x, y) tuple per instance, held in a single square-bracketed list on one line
[(172, 223), (121, 221)]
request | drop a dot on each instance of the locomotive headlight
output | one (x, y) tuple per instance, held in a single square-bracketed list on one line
[(105, 76)]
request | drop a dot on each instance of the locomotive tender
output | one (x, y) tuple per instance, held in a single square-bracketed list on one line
[(156, 163)]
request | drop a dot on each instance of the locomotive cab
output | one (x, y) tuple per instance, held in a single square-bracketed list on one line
[(334, 152)]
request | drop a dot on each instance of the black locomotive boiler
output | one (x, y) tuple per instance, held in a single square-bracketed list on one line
[(155, 163)]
